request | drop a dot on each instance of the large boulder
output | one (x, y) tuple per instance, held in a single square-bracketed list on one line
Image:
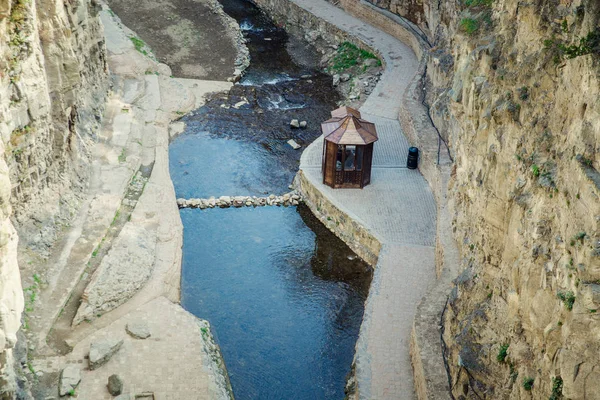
[(138, 329), (69, 379), (102, 350)]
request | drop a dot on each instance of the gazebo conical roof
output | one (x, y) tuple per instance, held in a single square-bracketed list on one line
[(343, 111), (346, 127)]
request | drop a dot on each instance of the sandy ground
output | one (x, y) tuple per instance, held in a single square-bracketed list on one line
[(188, 35)]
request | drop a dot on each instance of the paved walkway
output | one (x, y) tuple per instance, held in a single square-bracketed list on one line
[(398, 208)]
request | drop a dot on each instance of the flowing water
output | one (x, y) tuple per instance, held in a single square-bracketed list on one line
[(284, 296)]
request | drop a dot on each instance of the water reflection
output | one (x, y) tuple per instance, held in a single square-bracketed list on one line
[(285, 304)]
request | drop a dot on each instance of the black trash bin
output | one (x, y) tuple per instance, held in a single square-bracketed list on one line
[(413, 158)]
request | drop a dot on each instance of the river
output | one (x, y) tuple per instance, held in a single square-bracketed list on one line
[(285, 297)]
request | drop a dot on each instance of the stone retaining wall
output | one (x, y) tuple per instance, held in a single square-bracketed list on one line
[(296, 19), (389, 23), (429, 374), (356, 236)]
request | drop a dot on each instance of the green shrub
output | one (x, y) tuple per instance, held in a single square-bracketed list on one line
[(523, 93), (478, 3), (557, 387), (469, 25), (580, 236), (528, 383), (349, 55), (502, 353), (568, 298), (535, 170), (589, 44)]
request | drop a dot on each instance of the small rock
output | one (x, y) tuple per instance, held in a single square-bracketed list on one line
[(345, 77), (303, 124), (305, 76), (293, 143), (237, 75), (139, 329), (69, 379), (176, 128), (239, 104), (295, 123), (102, 350), (371, 62), (336, 79), (311, 36), (115, 385)]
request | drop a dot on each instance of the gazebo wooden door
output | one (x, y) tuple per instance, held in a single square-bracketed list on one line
[(330, 153)]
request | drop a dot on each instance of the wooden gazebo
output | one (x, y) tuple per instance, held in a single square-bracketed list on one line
[(347, 149)]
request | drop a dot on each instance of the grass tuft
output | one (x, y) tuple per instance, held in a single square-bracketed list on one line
[(348, 55), (528, 383), (502, 353), (139, 45), (568, 298), (469, 25)]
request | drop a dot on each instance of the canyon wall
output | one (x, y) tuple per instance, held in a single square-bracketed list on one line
[(515, 87), (53, 85)]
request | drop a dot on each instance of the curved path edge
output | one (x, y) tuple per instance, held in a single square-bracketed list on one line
[(394, 224)]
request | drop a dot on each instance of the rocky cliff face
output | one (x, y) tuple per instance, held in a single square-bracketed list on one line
[(527, 187), (516, 86), (53, 83)]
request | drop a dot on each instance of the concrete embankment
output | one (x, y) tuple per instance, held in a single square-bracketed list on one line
[(136, 275), (405, 261)]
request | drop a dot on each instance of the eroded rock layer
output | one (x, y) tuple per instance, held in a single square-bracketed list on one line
[(53, 83)]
